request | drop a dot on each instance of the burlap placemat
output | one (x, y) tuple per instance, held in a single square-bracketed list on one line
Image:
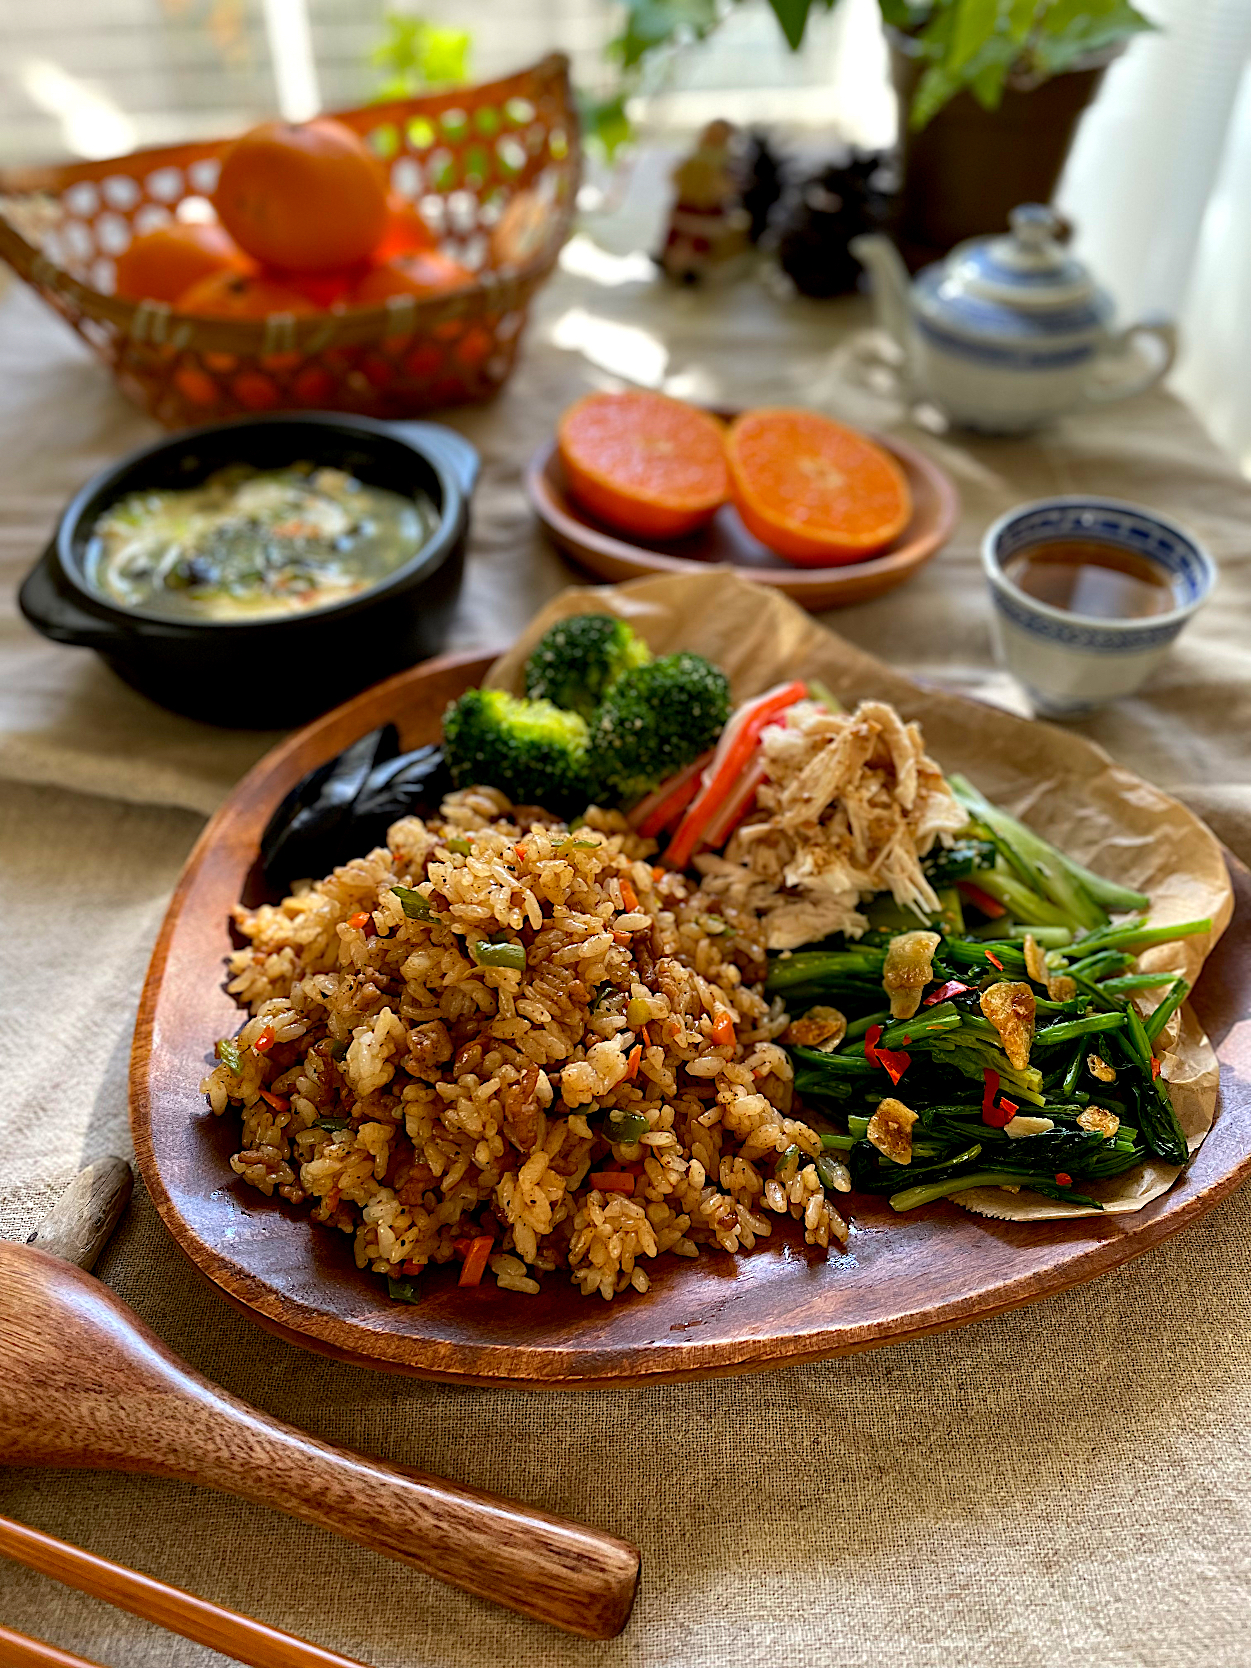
[(1066, 1482)]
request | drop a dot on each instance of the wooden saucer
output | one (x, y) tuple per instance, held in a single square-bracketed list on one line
[(725, 542)]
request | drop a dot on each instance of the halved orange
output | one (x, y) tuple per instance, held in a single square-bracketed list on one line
[(814, 491), (643, 462)]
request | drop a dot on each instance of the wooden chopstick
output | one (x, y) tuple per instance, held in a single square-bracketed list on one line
[(18, 1650), (241, 1637)]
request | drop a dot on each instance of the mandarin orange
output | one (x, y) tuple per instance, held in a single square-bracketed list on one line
[(420, 273), (241, 295), (642, 462), (405, 230), (817, 493), (304, 197), (159, 265)]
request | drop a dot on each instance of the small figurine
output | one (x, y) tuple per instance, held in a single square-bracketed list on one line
[(821, 216), (708, 224)]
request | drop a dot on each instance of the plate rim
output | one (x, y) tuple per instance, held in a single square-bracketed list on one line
[(799, 582), (1116, 1239)]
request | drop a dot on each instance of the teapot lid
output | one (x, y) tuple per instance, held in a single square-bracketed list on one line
[(1025, 282)]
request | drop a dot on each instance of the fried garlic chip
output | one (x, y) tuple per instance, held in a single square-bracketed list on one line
[(1009, 1006), (908, 969)]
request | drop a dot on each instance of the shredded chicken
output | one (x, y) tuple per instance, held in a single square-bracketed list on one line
[(850, 805), (1060, 988), (908, 969), (822, 1028), (1009, 1006), (890, 1130)]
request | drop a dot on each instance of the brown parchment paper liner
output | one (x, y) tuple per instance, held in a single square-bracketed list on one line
[(1062, 785)]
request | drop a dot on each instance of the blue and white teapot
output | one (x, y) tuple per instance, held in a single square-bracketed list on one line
[(1011, 331)]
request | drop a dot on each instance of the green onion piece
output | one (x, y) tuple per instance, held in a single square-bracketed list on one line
[(333, 1124), (825, 1169), (499, 955), (638, 1012), (1092, 1023), (462, 848), (576, 845), (403, 1291), (227, 1051), (625, 1128), (1160, 1016), (338, 1048), (414, 904)]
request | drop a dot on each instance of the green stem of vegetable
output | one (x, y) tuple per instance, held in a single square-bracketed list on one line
[(835, 1143), (911, 1197), (1116, 899), (1135, 936), (820, 967), (859, 1027), (1160, 1016), (965, 954), (1101, 963), (1066, 1032), (1049, 938), (1131, 982), (1041, 865), (1028, 906), (1073, 1073), (915, 1030)]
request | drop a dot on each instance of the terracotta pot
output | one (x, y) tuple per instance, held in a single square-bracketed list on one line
[(968, 166)]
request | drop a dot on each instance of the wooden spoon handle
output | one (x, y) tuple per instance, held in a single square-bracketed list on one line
[(84, 1383)]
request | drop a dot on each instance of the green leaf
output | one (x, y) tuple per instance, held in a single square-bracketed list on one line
[(1069, 29), (792, 16), (419, 54), (975, 24)]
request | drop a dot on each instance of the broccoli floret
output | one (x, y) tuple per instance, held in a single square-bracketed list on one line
[(576, 662), (530, 750), (656, 719)]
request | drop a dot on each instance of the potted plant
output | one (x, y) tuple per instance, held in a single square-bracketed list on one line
[(990, 92)]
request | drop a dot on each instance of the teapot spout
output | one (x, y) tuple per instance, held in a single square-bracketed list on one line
[(891, 284)]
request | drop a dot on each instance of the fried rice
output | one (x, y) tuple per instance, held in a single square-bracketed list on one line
[(418, 1098)]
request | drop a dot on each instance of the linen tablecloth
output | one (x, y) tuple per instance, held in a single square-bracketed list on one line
[(1071, 1481)]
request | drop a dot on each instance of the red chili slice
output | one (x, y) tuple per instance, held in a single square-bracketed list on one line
[(994, 960), (894, 1061), (953, 987)]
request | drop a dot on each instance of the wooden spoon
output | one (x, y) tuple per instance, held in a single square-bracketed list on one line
[(83, 1383)]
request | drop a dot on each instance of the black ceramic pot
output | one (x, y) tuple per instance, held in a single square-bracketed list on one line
[(274, 671)]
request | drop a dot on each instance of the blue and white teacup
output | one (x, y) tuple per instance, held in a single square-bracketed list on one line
[(1070, 663)]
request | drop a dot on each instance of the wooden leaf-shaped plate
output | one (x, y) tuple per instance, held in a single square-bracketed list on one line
[(725, 542), (900, 1277)]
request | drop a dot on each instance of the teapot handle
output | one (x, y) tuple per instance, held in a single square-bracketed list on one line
[(1122, 350)]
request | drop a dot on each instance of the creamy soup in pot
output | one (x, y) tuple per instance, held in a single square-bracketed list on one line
[(250, 543)]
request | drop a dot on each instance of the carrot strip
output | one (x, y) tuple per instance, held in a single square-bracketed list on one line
[(632, 1064), (278, 1103), (629, 896), (722, 1032), (475, 1262), (611, 1181)]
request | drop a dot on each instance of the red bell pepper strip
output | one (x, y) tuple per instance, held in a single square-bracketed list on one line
[(988, 905), (734, 750)]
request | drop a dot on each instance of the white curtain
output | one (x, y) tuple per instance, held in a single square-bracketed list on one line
[(1159, 186)]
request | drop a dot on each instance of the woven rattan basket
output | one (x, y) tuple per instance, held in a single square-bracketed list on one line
[(463, 156)]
